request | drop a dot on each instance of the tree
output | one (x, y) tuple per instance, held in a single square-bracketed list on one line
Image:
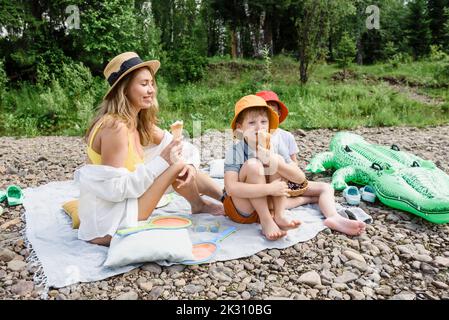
[(312, 22), (437, 20), (446, 29), (418, 30), (346, 51), (232, 12), (107, 28), (150, 39)]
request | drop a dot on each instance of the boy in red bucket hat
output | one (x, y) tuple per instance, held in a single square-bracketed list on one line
[(284, 136)]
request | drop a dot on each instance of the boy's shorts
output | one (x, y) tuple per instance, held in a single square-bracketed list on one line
[(233, 214)]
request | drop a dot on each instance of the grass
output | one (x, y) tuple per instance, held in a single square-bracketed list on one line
[(322, 103), (360, 100)]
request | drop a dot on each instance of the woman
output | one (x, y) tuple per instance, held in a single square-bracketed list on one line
[(112, 197)]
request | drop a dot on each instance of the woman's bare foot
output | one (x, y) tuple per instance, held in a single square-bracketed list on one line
[(271, 230), (286, 224), (349, 227), (208, 207)]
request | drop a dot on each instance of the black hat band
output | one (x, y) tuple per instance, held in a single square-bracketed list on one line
[(126, 65)]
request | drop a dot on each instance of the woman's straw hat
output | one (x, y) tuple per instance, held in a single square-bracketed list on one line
[(123, 64)]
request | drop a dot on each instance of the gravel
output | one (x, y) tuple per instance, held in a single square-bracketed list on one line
[(400, 257)]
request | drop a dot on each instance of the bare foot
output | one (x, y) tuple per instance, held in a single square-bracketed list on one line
[(349, 227), (286, 224), (209, 207), (271, 230)]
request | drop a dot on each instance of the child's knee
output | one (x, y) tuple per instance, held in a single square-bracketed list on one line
[(254, 166)]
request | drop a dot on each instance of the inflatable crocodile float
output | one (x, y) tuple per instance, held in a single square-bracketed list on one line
[(401, 180)]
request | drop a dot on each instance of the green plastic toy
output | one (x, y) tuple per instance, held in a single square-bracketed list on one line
[(14, 195), (400, 180)]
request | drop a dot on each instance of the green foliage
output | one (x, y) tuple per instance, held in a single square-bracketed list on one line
[(150, 40), (437, 54), (442, 75), (438, 17), (184, 64), (267, 74), (65, 106), (418, 28), (106, 29), (446, 30), (346, 51), (390, 50), (53, 74), (323, 103), (313, 23)]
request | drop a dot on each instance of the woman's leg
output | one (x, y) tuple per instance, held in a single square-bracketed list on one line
[(326, 202), (252, 172), (149, 200), (191, 192), (280, 204), (206, 185)]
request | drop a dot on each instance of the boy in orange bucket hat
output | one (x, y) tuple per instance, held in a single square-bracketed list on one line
[(255, 170), (317, 192)]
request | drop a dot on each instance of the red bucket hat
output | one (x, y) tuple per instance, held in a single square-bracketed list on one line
[(271, 96)]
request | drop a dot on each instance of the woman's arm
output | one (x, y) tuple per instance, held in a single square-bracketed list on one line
[(114, 145), (116, 186)]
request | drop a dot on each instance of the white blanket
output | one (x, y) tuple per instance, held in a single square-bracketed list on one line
[(64, 260)]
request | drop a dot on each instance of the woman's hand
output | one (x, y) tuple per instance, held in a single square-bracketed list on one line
[(186, 175), (278, 188), (172, 152)]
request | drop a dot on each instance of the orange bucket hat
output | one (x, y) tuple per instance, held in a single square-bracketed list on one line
[(252, 101), (124, 64), (271, 96)]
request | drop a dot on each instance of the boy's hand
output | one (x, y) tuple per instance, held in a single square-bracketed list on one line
[(278, 188), (251, 138), (268, 158)]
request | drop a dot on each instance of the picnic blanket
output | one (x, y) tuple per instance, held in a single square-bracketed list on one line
[(62, 259)]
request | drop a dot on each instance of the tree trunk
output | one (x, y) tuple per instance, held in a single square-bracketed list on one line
[(359, 56), (331, 49), (268, 34), (303, 77), (233, 44)]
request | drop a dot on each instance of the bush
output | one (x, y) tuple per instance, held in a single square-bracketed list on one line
[(442, 75), (185, 64), (437, 54), (399, 58), (346, 51), (65, 106)]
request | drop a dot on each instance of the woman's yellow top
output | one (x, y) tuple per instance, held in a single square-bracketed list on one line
[(132, 159)]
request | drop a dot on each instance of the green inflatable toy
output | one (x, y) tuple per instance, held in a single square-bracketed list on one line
[(401, 180)]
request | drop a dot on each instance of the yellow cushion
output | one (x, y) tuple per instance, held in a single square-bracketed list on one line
[(71, 208)]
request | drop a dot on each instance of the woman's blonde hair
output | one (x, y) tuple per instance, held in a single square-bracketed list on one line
[(117, 106)]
